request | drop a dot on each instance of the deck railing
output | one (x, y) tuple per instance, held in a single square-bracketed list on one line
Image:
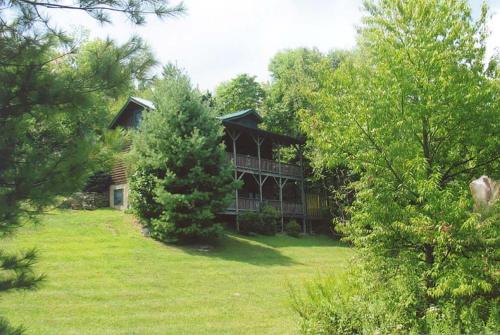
[(247, 204), (267, 165)]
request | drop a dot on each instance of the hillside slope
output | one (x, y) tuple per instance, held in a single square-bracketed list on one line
[(104, 277)]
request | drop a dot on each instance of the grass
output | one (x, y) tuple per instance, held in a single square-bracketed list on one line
[(104, 277)]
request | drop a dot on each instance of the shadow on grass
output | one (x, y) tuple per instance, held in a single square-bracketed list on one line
[(283, 240), (243, 249)]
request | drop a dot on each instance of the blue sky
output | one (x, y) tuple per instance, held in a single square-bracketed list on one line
[(219, 39)]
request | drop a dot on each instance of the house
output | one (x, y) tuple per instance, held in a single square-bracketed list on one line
[(256, 157)]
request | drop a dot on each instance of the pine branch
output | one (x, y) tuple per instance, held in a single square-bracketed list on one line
[(17, 271), (134, 10)]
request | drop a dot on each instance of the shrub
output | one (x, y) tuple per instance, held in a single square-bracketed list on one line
[(249, 222), (292, 228), (268, 220), (326, 307), (99, 182), (355, 302), (262, 222), (141, 196)]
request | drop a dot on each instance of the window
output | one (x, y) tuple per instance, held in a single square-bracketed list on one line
[(137, 117), (118, 197)]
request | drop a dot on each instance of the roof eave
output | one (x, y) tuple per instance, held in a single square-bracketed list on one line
[(240, 114), (125, 105), (283, 138)]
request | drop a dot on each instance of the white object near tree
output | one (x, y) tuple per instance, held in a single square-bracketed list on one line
[(485, 191)]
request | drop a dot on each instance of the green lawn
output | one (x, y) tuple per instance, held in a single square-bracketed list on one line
[(104, 277)]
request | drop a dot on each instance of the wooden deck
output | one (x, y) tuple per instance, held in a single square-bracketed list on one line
[(269, 167)]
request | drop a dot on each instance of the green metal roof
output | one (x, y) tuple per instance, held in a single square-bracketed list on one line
[(227, 119), (240, 114)]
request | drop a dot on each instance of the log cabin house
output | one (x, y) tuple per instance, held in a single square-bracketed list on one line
[(255, 154)]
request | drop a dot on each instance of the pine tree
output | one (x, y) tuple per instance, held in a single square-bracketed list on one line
[(53, 102), (182, 177)]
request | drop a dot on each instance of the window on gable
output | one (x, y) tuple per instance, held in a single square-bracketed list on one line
[(137, 117)]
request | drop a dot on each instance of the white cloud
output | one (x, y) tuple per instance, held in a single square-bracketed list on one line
[(219, 39), (493, 43)]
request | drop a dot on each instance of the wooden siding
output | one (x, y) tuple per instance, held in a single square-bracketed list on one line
[(119, 173), (317, 206), (250, 121)]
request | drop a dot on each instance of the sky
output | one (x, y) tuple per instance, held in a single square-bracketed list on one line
[(219, 39)]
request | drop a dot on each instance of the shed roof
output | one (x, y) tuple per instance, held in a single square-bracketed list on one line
[(145, 103), (136, 100)]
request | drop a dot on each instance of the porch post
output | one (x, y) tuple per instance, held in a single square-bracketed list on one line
[(302, 193), (234, 137), (281, 189), (258, 140), (260, 168)]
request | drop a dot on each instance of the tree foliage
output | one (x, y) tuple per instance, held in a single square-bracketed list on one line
[(182, 177), (54, 94), (30, 12), (297, 75), (294, 75), (295, 78), (415, 113), (54, 116), (240, 93), (53, 102)]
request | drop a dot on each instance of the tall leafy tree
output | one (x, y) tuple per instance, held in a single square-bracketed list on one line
[(296, 77), (416, 114), (52, 109), (293, 77), (239, 93), (182, 177)]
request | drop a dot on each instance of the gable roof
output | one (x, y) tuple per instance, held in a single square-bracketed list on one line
[(229, 120), (240, 114), (136, 100), (233, 120), (145, 103)]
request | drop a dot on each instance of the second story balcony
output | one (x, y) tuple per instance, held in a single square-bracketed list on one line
[(267, 166)]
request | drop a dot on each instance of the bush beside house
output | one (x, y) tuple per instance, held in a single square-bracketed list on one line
[(293, 228), (264, 221)]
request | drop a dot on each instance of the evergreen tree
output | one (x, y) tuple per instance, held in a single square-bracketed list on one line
[(182, 177), (53, 102)]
